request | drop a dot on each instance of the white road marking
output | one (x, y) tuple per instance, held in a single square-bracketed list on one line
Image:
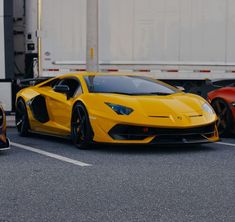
[(227, 144), (3, 149), (52, 155)]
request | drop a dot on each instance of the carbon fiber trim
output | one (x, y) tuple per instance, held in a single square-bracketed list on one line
[(127, 132)]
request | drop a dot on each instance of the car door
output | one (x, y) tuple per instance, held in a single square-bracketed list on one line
[(58, 107)]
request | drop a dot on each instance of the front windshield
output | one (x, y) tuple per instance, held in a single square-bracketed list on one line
[(129, 85)]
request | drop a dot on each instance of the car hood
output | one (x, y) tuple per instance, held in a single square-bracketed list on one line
[(158, 105), (179, 109), (168, 105)]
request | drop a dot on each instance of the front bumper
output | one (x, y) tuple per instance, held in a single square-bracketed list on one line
[(126, 133), (200, 134)]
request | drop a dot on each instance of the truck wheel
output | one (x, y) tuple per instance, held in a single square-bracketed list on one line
[(81, 130), (22, 121), (224, 113)]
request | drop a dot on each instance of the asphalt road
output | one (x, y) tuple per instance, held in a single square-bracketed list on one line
[(194, 183)]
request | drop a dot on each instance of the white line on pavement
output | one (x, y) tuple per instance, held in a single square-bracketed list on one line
[(3, 149), (52, 155), (227, 144)]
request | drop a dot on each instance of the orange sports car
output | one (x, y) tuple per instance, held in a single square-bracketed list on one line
[(114, 108), (4, 142), (223, 102)]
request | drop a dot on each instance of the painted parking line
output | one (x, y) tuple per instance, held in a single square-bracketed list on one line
[(226, 144), (52, 155), (3, 149)]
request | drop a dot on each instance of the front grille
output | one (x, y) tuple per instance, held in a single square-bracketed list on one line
[(127, 132)]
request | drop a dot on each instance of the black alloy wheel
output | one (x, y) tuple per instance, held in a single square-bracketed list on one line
[(81, 131), (225, 117), (22, 121)]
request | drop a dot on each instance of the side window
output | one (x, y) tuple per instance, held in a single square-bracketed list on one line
[(52, 83), (73, 84), (79, 90)]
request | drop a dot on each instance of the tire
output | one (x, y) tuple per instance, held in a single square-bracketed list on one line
[(81, 130), (22, 120), (224, 113)]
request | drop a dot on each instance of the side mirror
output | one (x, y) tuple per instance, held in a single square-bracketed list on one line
[(62, 89)]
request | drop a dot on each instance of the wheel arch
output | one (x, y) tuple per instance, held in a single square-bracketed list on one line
[(82, 102), (19, 98)]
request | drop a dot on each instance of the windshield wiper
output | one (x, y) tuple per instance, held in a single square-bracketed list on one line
[(159, 93), (114, 92), (133, 94)]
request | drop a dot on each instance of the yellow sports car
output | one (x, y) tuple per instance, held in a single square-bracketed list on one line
[(4, 142), (114, 108)]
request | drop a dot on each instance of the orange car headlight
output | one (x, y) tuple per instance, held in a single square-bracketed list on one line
[(119, 109), (207, 108)]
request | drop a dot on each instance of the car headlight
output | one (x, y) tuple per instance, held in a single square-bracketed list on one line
[(120, 110), (207, 108)]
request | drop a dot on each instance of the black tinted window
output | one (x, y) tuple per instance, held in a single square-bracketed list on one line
[(133, 85), (73, 85)]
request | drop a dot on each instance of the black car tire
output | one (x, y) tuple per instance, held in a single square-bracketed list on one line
[(81, 130), (22, 121), (224, 113)]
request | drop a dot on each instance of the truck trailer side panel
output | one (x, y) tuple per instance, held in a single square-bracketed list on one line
[(185, 35), (167, 31), (2, 41), (7, 54), (63, 34)]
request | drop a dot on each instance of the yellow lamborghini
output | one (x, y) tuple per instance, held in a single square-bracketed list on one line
[(114, 108), (4, 142)]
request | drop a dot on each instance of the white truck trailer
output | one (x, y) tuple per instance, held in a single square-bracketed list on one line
[(7, 54), (168, 39)]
